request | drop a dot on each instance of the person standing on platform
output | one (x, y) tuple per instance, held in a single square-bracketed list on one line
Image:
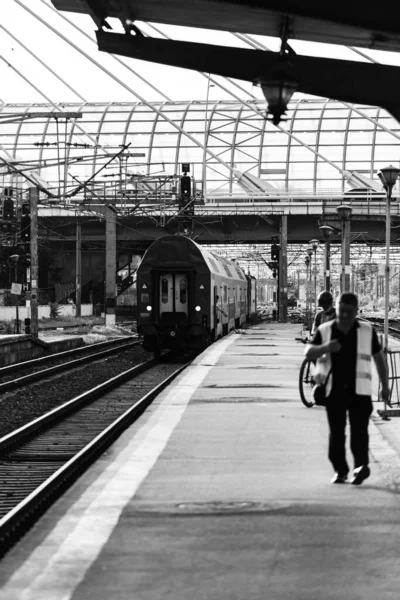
[(328, 313), (343, 349)]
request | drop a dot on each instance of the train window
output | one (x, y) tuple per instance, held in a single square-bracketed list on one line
[(164, 291), (182, 292), (225, 293), (214, 265), (239, 272), (227, 270), (145, 298)]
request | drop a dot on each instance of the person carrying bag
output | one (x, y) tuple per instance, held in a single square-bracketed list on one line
[(343, 349)]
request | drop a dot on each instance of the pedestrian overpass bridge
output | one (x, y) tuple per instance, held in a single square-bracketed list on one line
[(227, 219)]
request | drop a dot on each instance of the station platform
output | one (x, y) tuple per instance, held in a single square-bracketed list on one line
[(221, 490)]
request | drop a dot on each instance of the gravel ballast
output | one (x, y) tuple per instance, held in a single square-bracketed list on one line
[(30, 402)]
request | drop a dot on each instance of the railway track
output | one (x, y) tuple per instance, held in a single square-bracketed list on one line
[(43, 367), (377, 322), (40, 460)]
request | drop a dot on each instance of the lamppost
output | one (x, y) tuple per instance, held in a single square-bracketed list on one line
[(14, 260), (388, 177), (327, 232), (308, 298), (314, 246), (206, 132), (344, 211)]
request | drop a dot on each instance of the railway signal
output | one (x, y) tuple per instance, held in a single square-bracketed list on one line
[(185, 196), (26, 223), (275, 252), (274, 265), (8, 209)]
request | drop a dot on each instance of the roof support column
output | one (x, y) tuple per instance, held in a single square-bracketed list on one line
[(34, 273), (283, 271), (78, 268), (111, 266), (346, 268)]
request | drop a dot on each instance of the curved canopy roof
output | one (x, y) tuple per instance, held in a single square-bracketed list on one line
[(315, 151)]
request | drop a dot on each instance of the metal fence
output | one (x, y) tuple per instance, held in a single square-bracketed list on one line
[(393, 357)]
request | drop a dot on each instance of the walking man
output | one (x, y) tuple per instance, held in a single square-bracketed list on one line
[(343, 349)]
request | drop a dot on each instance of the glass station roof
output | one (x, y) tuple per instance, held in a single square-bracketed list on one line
[(311, 153)]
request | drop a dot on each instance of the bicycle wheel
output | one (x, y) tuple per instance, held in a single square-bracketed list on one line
[(306, 382)]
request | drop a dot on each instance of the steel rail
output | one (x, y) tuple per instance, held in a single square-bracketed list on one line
[(42, 360), (66, 366), (20, 518)]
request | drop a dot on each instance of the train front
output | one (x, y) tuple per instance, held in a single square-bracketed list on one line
[(173, 294)]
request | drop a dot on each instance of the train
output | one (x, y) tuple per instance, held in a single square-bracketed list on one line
[(188, 297)]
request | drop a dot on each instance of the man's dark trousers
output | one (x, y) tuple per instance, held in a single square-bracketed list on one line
[(359, 409)]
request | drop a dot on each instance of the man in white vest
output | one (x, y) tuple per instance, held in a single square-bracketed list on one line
[(343, 349)]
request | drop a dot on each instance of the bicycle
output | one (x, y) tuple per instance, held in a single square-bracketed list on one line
[(307, 382)]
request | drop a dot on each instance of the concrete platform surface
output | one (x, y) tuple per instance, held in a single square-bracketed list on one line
[(220, 491)]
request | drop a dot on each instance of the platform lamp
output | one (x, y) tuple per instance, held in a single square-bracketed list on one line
[(279, 85), (310, 252), (307, 260), (314, 246), (344, 211), (388, 177), (14, 258), (327, 232)]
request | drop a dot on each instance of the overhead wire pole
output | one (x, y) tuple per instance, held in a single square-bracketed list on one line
[(33, 201), (78, 269)]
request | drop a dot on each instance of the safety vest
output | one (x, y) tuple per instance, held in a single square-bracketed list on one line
[(363, 363)]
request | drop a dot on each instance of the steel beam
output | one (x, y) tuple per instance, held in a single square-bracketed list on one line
[(346, 268), (78, 269), (111, 266), (283, 271), (33, 201)]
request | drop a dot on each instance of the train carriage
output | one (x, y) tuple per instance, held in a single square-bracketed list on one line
[(188, 296)]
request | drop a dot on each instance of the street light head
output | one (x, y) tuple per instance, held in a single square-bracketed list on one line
[(310, 252), (388, 176), (307, 260), (344, 211), (327, 231), (14, 258), (277, 92), (314, 244)]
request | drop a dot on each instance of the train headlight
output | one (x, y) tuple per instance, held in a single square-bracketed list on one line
[(149, 308), (197, 308)]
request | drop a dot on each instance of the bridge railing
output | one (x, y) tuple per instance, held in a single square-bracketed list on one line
[(255, 203)]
